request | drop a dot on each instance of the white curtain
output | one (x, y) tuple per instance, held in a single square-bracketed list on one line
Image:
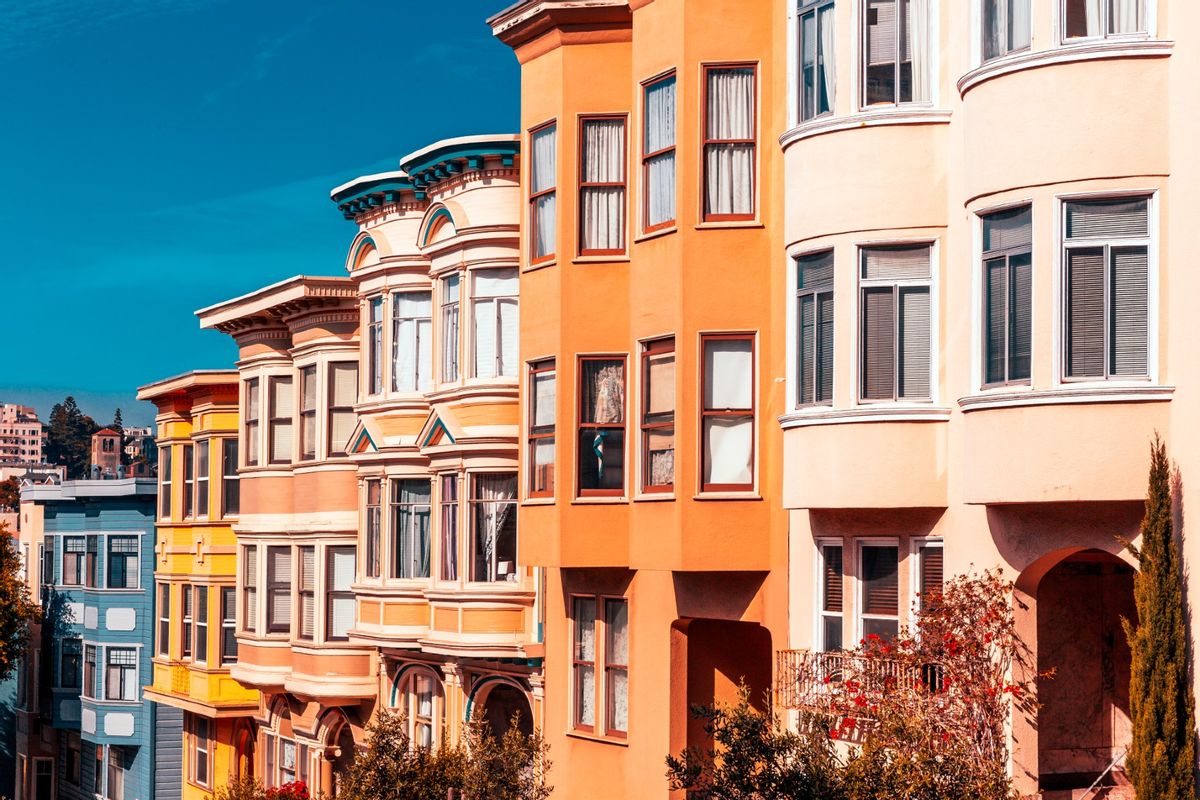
[(585, 651), (728, 448), (729, 167), (450, 295), (495, 323), (660, 169), (496, 493), (995, 41), (604, 388), (1092, 11), (542, 178), (282, 410), (919, 34), (545, 391), (412, 349), (602, 208), (1126, 16), (827, 61)]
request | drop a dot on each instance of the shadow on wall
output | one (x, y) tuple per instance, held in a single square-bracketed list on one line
[(8, 736)]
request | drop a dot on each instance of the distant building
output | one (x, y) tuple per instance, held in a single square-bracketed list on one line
[(106, 452), (135, 441), (22, 435), (33, 473)]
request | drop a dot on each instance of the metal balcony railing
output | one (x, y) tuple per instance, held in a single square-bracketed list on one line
[(822, 682)]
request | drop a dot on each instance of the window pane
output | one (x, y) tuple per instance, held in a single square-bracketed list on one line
[(1020, 344), (996, 272), (879, 347), (896, 263), (543, 465), (616, 619), (602, 458), (1126, 16), (1129, 332), (728, 450), (660, 115), (914, 343), (495, 528), (544, 397), (1085, 312), (728, 374), (602, 384), (880, 571), (660, 457), (585, 628), (543, 143), (831, 577), (1008, 229), (1108, 218), (832, 630), (729, 165)]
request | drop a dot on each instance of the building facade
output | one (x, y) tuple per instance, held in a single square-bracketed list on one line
[(195, 578), (652, 460), (85, 730), (22, 435)]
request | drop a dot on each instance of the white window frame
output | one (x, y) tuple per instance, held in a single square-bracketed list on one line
[(819, 613), (915, 543), (1152, 287), (1060, 22), (978, 365), (405, 700), (858, 51), (859, 583), (137, 669), (515, 299), (393, 319)]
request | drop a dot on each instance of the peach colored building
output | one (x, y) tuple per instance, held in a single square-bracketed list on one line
[(22, 435), (977, 232), (651, 369)]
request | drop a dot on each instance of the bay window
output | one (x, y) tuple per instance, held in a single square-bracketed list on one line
[(831, 598), (817, 64), (375, 345), (231, 495), (189, 480), (281, 408), (1006, 27), (602, 186), (658, 153), (896, 336), (896, 52), (730, 142), (658, 415), (448, 504), (307, 593), (339, 600), (410, 528), (202, 478), (308, 413), (494, 313), (1106, 260), (727, 412), (279, 589), (373, 528), (1101, 18), (122, 562), (543, 215), (120, 677), (601, 439), (879, 587), (412, 342), (1008, 295), (814, 327), (493, 528), (450, 304), (249, 426), (543, 395), (343, 393)]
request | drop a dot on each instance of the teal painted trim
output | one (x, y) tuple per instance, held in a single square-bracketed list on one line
[(441, 213), (365, 434), (475, 690), (399, 677), (362, 245), (461, 152), (438, 426), (361, 191)]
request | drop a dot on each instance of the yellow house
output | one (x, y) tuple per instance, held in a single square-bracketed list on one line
[(195, 568)]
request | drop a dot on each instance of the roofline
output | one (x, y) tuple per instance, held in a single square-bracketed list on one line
[(460, 141), (261, 299), (378, 177), (187, 380)]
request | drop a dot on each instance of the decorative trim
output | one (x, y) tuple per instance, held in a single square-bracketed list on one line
[(900, 115), (1145, 393), (1065, 54), (884, 412)]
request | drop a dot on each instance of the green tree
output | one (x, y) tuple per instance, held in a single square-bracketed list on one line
[(17, 610), (392, 769), (10, 494), (1163, 710), (69, 438)]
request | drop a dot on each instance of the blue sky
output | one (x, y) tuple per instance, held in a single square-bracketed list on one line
[(163, 155)]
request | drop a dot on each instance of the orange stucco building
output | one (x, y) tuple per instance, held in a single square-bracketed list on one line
[(651, 479)]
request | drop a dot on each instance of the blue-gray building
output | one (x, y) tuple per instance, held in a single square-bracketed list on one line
[(97, 567)]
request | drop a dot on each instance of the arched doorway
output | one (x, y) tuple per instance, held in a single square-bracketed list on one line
[(244, 747), (499, 705), (343, 761), (1083, 719)]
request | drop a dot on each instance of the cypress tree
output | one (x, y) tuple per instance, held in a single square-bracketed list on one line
[(1163, 709)]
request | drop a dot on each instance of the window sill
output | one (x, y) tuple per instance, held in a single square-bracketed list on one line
[(883, 412), (654, 497), (1068, 395), (655, 234), (706, 496), (868, 118), (592, 737), (538, 501), (612, 259), (540, 265), (599, 501), (717, 225), (1087, 50)]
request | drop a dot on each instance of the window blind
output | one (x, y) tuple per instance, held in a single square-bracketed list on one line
[(881, 587), (996, 271), (282, 409), (914, 343), (831, 572), (931, 571), (879, 346), (1020, 345), (881, 32), (341, 568), (1009, 229), (896, 263), (1085, 312), (1130, 330), (1099, 219)]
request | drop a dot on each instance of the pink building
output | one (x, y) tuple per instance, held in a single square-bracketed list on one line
[(22, 439)]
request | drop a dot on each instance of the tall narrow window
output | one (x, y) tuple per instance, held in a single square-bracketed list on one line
[(493, 528), (343, 394), (831, 604), (1096, 18), (450, 303), (896, 52), (375, 345), (373, 529), (896, 337), (814, 327), (339, 611), (187, 599), (282, 406), (202, 478), (166, 476), (279, 589), (602, 186), (583, 660), (728, 413), (448, 502), (74, 548), (308, 413), (543, 205), (495, 317), (229, 647), (307, 591), (93, 558), (1107, 247), (930, 574), (69, 674), (542, 409), (880, 587), (164, 619), (122, 562), (231, 495), (412, 342), (120, 678), (201, 748), (91, 675), (250, 589), (658, 154), (202, 624), (189, 480), (1005, 27), (658, 416), (410, 528), (1008, 296), (730, 142), (47, 576), (817, 61), (601, 443), (250, 426), (616, 666)]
